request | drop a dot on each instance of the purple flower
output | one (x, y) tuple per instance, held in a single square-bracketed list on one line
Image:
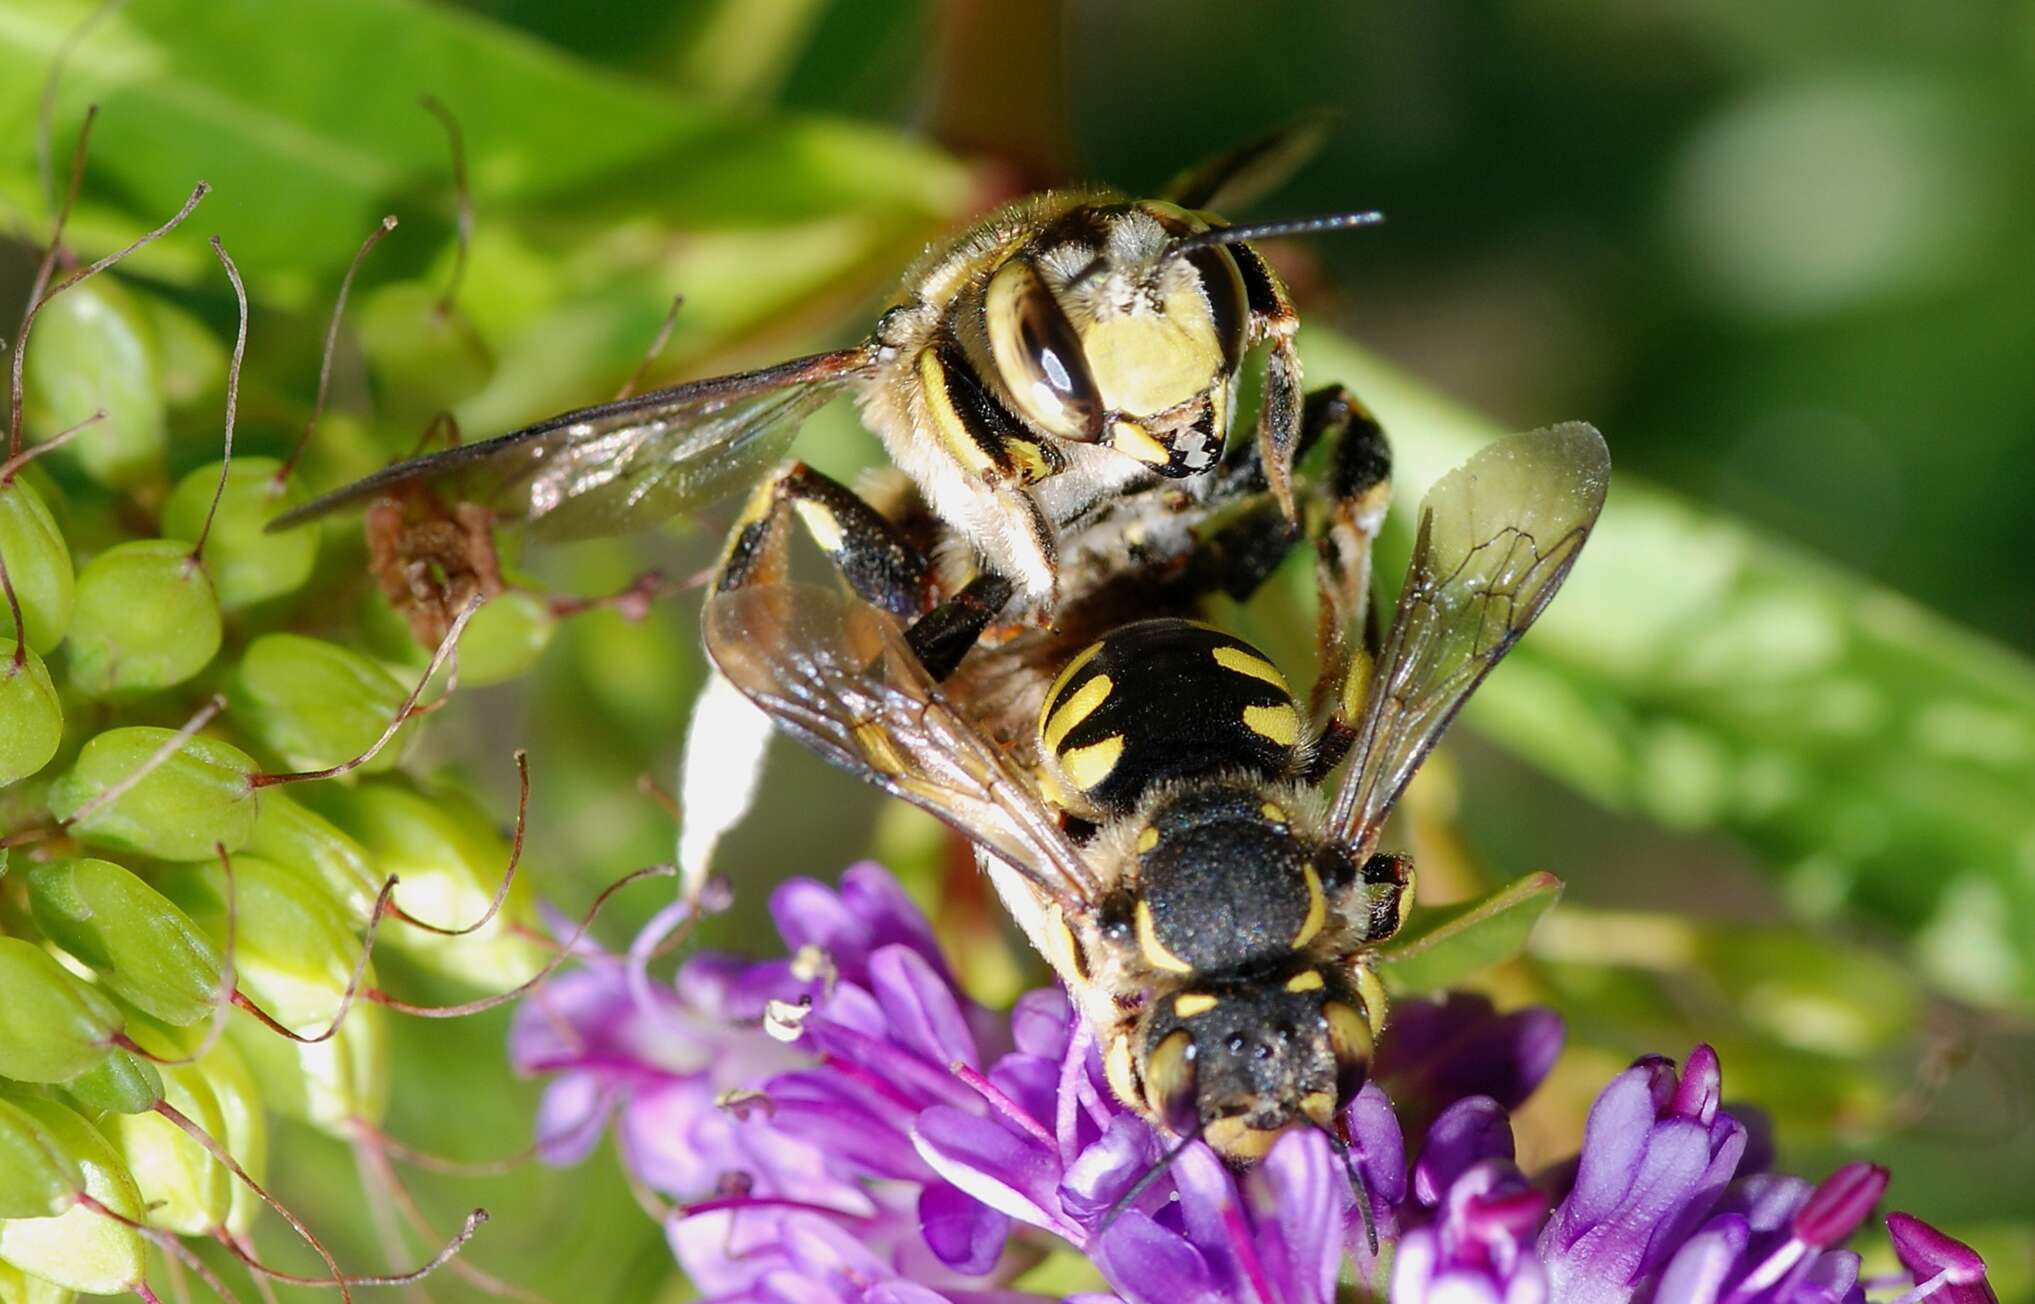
[(1480, 1246), (1946, 1271), (1657, 1153)]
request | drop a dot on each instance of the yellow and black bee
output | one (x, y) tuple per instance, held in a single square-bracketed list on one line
[(1158, 825), (1061, 353)]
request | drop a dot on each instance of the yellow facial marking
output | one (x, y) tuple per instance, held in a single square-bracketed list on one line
[(1319, 1106), (1245, 662), (821, 523), (1235, 1139), (1153, 949), (1280, 723), (1188, 1004), (1317, 908), (1090, 765), (1306, 981), (947, 423), (1373, 993), (1145, 363), (1273, 811), (1122, 1073), (1066, 676), (1147, 839), (1080, 704), (1132, 438)]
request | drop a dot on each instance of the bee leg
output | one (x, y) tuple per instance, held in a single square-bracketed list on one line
[(943, 635), (1280, 418), (1348, 630), (875, 559)]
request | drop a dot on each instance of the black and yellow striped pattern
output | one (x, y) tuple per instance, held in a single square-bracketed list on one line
[(1166, 699)]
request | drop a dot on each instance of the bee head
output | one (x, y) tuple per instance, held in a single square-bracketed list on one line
[(1238, 1063), (1100, 337)]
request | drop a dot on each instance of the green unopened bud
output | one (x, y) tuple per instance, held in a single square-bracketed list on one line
[(425, 358), (53, 1024), (17, 1287), (203, 794), (443, 848), (146, 618), (38, 565), (294, 952), (36, 1181), (31, 715), (184, 1188), (331, 1085), (291, 834), (247, 566), (122, 1083), (79, 1249), (144, 949), (505, 638), (93, 348), (317, 704)]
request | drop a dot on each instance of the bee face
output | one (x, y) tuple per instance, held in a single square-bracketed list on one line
[(1239, 1062), (1099, 336)]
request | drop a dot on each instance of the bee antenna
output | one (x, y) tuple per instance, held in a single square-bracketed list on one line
[(1145, 1180), (1223, 235), (1357, 1187)]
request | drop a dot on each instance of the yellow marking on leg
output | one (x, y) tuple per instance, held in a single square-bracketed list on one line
[(1153, 949), (1317, 908), (1246, 662), (1188, 1004), (1306, 981), (821, 523), (1373, 993), (1148, 838), (1090, 765), (1080, 704), (1280, 723)]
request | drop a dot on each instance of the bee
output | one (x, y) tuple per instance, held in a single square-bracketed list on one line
[(1163, 831), (1058, 355)]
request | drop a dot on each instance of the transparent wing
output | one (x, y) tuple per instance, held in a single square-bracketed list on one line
[(629, 464), (1497, 536), (838, 675), (1237, 177)]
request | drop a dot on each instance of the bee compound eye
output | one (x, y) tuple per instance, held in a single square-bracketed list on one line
[(1038, 353), (1171, 1086)]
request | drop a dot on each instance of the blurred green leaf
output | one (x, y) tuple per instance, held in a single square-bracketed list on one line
[(1440, 947), (1707, 676)]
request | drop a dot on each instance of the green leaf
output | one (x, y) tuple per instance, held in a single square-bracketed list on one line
[(1700, 673), (1440, 947)]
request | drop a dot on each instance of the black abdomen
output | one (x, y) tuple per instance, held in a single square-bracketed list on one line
[(1164, 699)]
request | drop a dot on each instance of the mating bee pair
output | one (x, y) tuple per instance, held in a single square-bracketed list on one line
[(1057, 386)]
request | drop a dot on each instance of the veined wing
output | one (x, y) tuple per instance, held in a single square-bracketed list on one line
[(1497, 536), (622, 466), (838, 675)]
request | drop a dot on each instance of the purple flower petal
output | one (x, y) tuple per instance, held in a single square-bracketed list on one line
[(887, 913), (1697, 1272), (1379, 1147), (571, 1117), (965, 1234), (920, 1006), (1303, 1200), (1614, 1139), (1103, 1172), (1928, 1254), (1041, 1023), (1443, 1051), (1702, 1084), (1473, 1129), (1840, 1204), (1150, 1265), (1005, 1170)]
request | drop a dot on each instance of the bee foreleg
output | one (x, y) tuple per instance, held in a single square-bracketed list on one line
[(875, 559), (943, 635), (1347, 626)]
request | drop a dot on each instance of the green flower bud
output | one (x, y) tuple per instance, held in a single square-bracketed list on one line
[(92, 348), (144, 949), (424, 359), (36, 1181), (294, 952), (146, 618), (17, 1287), (317, 704), (38, 565), (203, 794), (442, 847), (79, 1249), (505, 638), (246, 565), (122, 1083), (185, 1189), (328, 1085), (31, 716), (53, 1024), (291, 834), (246, 1137)]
